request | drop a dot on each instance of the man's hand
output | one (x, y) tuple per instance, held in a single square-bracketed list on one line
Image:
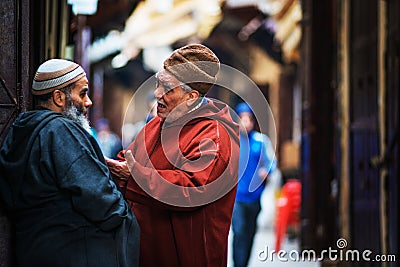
[(130, 159), (118, 168)]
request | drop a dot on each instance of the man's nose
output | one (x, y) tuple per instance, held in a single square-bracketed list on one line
[(88, 102), (158, 93)]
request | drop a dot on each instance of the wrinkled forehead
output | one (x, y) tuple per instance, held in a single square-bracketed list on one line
[(165, 76), (82, 83)]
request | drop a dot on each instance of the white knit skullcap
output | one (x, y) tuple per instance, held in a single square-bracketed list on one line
[(55, 74)]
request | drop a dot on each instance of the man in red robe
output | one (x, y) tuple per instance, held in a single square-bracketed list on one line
[(180, 173)]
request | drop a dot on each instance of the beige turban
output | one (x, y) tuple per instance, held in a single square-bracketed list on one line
[(194, 64)]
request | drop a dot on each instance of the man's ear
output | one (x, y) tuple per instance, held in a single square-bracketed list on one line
[(59, 98), (192, 97)]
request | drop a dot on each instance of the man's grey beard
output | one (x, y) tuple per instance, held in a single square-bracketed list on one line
[(75, 114)]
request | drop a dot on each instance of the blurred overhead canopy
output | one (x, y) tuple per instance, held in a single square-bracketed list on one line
[(283, 20), (110, 15), (158, 24)]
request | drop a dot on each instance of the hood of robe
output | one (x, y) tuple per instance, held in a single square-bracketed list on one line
[(16, 147)]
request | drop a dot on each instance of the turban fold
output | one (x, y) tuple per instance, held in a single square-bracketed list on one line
[(195, 65)]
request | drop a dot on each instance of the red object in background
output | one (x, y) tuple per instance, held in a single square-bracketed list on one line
[(287, 210)]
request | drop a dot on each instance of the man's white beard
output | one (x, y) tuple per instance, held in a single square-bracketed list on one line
[(73, 113)]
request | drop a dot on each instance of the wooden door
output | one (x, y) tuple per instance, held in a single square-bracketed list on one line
[(392, 129), (364, 138), (14, 87)]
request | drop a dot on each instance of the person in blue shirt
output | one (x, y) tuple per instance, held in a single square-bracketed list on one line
[(256, 162)]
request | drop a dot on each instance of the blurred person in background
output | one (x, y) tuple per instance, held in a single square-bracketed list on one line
[(54, 182), (109, 142), (130, 130), (256, 162)]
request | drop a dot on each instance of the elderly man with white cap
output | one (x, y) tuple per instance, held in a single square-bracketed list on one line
[(55, 184)]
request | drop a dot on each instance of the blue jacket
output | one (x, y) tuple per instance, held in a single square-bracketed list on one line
[(256, 151)]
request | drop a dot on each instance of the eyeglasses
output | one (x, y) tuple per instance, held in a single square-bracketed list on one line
[(169, 86)]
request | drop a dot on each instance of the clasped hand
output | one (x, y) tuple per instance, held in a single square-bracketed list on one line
[(121, 169)]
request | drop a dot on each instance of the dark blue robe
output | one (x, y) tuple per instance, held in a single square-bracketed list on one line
[(57, 189)]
